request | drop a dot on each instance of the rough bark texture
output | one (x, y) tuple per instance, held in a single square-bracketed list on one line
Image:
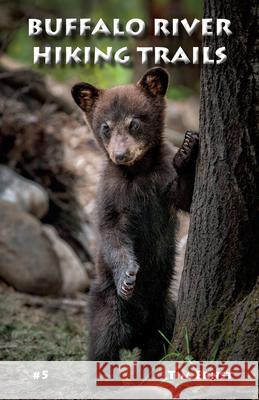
[(218, 301)]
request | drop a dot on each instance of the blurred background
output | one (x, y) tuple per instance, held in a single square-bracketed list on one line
[(16, 43), (49, 166)]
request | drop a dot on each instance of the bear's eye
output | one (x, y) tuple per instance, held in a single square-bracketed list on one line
[(105, 130), (134, 125)]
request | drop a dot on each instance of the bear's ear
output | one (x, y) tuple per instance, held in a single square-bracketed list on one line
[(85, 96), (155, 81)]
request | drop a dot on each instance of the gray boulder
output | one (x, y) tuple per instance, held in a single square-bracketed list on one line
[(74, 274), (27, 195), (27, 259)]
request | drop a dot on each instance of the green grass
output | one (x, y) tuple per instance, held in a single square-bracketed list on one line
[(186, 356), (36, 333)]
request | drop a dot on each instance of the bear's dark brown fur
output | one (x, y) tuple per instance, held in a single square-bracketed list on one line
[(142, 185)]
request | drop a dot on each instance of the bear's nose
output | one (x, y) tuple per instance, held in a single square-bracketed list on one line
[(121, 156)]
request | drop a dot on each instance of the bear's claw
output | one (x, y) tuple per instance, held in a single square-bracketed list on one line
[(126, 285), (186, 155)]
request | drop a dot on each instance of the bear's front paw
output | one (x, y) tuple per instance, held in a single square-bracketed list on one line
[(126, 284), (186, 155)]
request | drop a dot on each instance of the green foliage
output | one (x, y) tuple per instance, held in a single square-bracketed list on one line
[(193, 7), (188, 357), (21, 46), (107, 75), (176, 355), (179, 92), (124, 10)]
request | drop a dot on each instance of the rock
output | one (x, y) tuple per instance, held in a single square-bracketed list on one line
[(27, 195), (74, 275), (27, 260)]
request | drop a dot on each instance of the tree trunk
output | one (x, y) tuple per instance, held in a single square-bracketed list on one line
[(218, 300)]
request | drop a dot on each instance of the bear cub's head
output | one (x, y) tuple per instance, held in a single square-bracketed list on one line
[(127, 121)]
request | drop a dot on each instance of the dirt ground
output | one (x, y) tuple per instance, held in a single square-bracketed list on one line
[(34, 328)]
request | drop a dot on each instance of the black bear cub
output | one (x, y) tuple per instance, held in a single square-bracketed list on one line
[(142, 185)]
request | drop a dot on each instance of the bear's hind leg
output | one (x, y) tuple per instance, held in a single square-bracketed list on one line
[(158, 333), (108, 334), (153, 349), (103, 346)]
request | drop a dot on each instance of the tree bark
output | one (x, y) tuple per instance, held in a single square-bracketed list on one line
[(218, 300)]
